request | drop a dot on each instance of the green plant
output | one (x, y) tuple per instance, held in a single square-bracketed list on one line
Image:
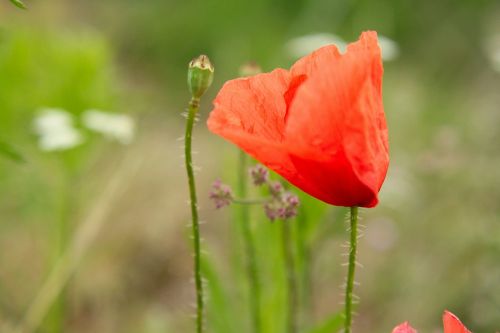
[(18, 3)]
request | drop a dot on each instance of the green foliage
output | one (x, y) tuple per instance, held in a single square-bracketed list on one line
[(332, 324), (440, 199), (10, 152), (50, 69), (18, 3), (41, 67), (224, 317), (232, 313)]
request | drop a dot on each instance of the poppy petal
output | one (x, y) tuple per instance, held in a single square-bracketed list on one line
[(250, 112), (252, 105), (337, 111), (452, 324), (404, 328), (316, 61), (333, 182)]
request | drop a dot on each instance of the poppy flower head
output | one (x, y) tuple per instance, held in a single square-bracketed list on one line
[(320, 125)]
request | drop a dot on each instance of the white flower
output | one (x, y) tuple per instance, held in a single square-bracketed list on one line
[(119, 127), (390, 49), (492, 48), (301, 46), (55, 130)]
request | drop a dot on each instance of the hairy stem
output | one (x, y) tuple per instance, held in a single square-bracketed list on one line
[(351, 268), (291, 282), (194, 105), (251, 265)]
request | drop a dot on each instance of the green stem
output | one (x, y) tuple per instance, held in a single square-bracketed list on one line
[(352, 265), (292, 300), (243, 201), (194, 105), (304, 250), (62, 232), (253, 279), (80, 243)]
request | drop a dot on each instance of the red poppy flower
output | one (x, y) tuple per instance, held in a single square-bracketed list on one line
[(320, 125), (450, 322)]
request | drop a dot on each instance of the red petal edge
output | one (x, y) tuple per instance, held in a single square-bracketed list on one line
[(404, 328), (452, 324)]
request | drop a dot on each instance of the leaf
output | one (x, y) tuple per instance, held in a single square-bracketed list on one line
[(221, 310), (8, 151), (18, 3), (332, 324)]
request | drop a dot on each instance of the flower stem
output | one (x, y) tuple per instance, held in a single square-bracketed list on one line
[(194, 106), (291, 315), (304, 250), (244, 201), (82, 240), (62, 231), (352, 265), (253, 279)]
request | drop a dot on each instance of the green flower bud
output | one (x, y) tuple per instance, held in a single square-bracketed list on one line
[(200, 75)]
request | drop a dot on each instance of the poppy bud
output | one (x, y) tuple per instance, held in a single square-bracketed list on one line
[(200, 75), (259, 175), (221, 194), (276, 189), (282, 207)]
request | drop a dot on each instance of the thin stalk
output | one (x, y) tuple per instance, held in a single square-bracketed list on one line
[(62, 233), (350, 272), (244, 201), (304, 250), (194, 106), (82, 240), (291, 281), (251, 265)]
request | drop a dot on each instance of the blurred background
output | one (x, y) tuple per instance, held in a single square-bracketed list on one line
[(115, 73)]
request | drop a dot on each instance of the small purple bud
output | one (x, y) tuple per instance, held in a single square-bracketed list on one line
[(290, 204), (221, 194), (272, 210), (259, 175), (282, 207), (276, 189)]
